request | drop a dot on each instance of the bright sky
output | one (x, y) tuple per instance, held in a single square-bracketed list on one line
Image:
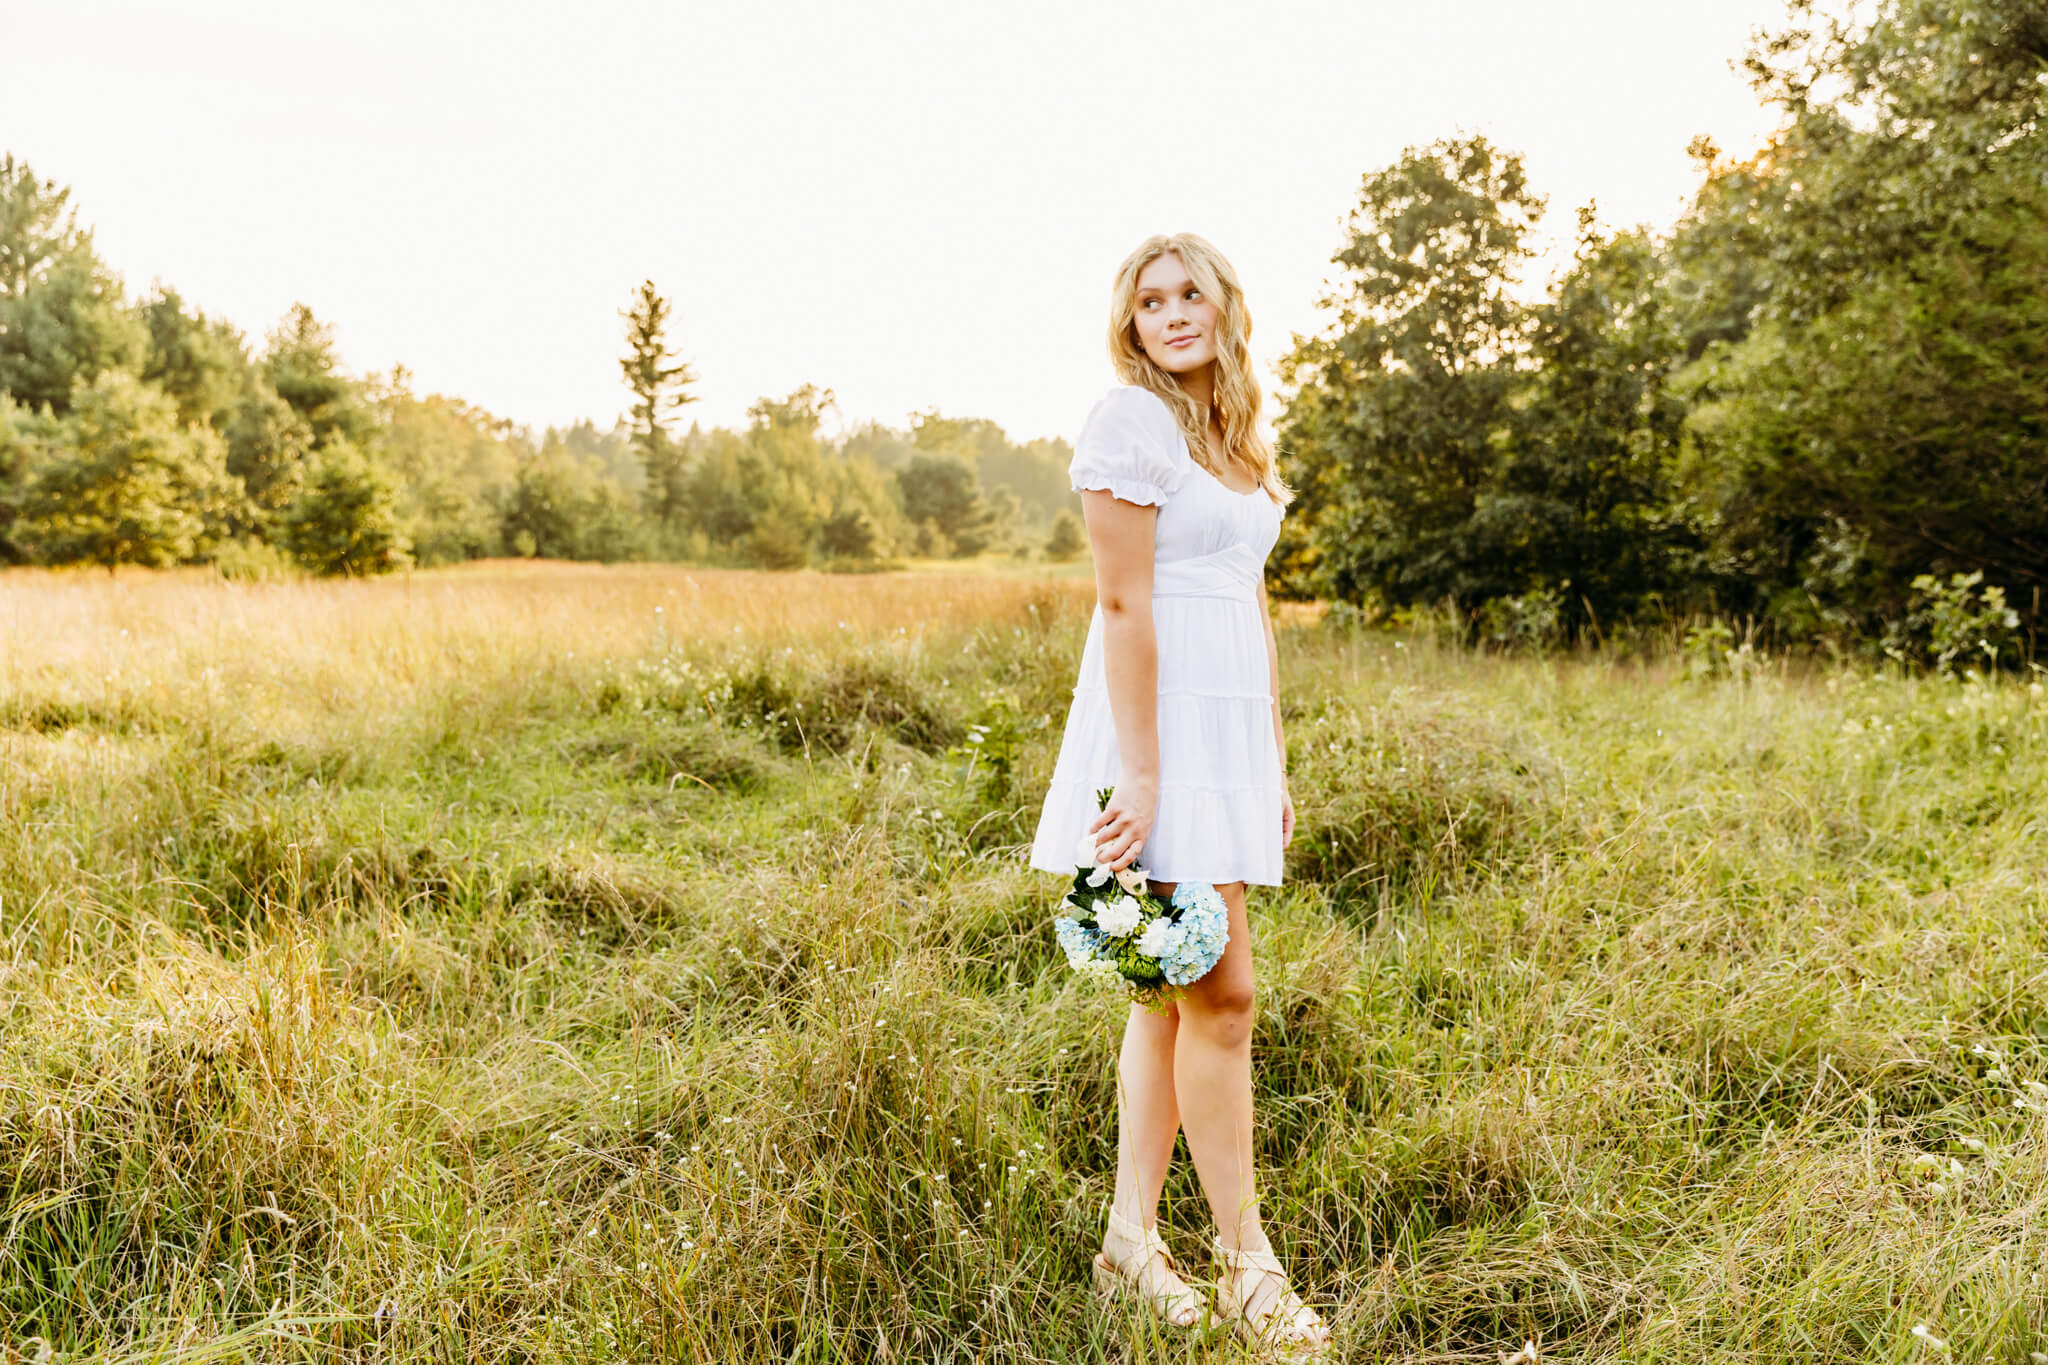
[(914, 204)]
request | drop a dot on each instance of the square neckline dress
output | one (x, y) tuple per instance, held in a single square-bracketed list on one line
[(1220, 777)]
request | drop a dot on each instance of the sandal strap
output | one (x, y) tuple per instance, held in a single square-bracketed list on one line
[(1246, 1258), (1148, 1240), (1172, 1293), (1286, 1305), (1149, 1244)]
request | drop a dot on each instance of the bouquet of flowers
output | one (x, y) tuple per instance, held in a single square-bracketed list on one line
[(1117, 929)]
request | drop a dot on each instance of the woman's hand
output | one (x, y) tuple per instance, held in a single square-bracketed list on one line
[(1121, 828), (1286, 815)]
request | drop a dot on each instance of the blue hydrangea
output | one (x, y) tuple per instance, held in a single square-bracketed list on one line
[(1199, 936), (1077, 941)]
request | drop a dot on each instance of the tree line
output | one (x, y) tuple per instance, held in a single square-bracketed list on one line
[(145, 432), (1820, 401)]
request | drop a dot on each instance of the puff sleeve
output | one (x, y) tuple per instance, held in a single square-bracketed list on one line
[(1130, 447)]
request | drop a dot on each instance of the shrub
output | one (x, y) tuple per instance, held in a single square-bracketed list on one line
[(1957, 620), (1532, 620), (1066, 539), (345, 521)]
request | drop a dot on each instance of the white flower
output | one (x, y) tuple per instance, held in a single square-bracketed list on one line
[(1084, 850), (1156, 938), (1119, 918), (1099, 876)]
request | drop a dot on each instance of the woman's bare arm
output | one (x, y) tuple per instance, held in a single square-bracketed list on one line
[(1120, 536)]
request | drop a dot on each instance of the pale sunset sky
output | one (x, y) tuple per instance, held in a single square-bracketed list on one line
[(917, 205)]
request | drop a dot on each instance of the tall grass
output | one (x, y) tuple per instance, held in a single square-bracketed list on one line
[(524, 963)]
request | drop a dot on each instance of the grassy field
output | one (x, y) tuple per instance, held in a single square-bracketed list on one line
[(543, 963)]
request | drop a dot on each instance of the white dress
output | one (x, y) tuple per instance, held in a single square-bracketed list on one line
[(1220, 777)]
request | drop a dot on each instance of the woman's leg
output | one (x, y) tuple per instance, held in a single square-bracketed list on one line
[(1148, 1122), (1212, 1077), (1148, 1115), (1212, 1074)]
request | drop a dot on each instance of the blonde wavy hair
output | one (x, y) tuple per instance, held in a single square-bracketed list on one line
[(1236, 392)]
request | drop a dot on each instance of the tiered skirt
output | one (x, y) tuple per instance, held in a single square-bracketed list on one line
[(1220, 779)]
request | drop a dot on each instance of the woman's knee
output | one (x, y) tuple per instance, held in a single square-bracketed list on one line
[(1222, 1009)]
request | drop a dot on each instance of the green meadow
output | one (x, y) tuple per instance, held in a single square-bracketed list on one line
[(542, 963)]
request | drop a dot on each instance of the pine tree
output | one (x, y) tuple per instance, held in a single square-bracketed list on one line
[(345, 521), (121, 481), (62, 319), (660, 384)]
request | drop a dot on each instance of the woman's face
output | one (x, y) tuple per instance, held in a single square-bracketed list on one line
[(1175, 321)]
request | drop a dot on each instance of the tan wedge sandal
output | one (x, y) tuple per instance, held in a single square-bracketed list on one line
[(1168, 1297), (1284, 1323)]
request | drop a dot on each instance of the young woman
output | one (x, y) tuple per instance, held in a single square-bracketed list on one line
[(1176, 707)]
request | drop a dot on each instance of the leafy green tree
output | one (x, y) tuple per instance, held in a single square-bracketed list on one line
[(454, 465), (345, 519), (717, 489), (1035, 473), (942, 492), (849, 533), (858, 482), (62, 321), (200, 362), (300, 362), (1066, 540), (1716, 265), (540, 511), (1005, 516), (787, 482), (1902, 128), (1404, 408), (566, 504), (268, 445), (776, 545), (121, 481), (660, 385), (610, 525), (1901, 432), (608, 454), (1881, 417), (876, 443), (1586, 504), (17, 445)]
